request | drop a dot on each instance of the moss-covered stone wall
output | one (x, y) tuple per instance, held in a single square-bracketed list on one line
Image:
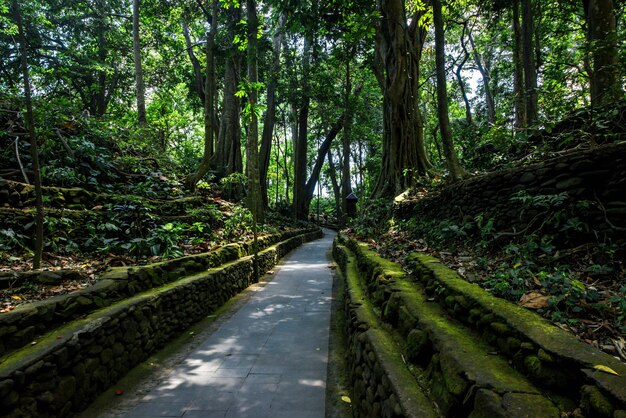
[(22, 325), (597, 175), (70, 366), (471, 353), (381, 384)]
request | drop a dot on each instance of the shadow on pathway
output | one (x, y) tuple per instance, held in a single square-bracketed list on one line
[(268, 359)]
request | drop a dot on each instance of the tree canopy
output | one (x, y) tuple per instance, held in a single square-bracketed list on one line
[(349, 95)]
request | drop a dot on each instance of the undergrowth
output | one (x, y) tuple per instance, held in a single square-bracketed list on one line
[(548, 266)]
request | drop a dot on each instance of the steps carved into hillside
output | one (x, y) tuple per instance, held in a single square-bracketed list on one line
[(466, 352)]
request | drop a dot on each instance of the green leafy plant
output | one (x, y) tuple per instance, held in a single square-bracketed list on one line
[(12, 240), (238, 224), (374, 220), (164, 240), (235, 185)]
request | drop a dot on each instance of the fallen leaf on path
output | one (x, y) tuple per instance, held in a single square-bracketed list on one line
[(119, 392), (605, 369), (534, 300)]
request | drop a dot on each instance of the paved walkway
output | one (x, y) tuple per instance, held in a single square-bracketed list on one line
[(268, 360)]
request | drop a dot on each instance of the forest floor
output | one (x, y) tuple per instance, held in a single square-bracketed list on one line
[(600, 324), (88, 266)]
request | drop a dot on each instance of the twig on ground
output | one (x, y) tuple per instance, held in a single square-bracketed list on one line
[(65, 144), (606, 218), (19, 160)]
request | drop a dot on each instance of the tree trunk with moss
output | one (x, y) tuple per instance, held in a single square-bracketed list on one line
[(254, 193), (141, 91), (301, 138), (34, 150), (518, 76), (228, 159), (602, 38), (528, 58), (398, 52), (454, 167), (270, 113), (209, 105)]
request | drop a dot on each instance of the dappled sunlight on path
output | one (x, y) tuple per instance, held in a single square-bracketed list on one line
[(268, 360)]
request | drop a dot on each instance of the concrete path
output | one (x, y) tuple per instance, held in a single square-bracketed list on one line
[(269, 359)]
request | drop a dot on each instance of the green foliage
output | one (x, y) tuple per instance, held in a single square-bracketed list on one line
[(374, 220), (235, 186), (12, 240), (164, 240), (238, 224), (618, 302), (569, 297), (245, 88)]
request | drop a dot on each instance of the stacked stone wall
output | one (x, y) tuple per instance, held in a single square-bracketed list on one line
[(597, 175), (474, 355), (22, 325), (381, 384), (69, 367)]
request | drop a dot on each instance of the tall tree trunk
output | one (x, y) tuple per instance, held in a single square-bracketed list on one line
[(141, 91), (485, 74), (528, 55), (254, 193), (270, 113), (346, 186), (301, 145), (228, 158), (459, 78), (100, 102), (197, 70), (398, 50), (252, 149), (335, 128), (34, 151), (293, 130), (602, 36), (454, 167), (285, 165), (332, 172), (518, 76), (209, 105)]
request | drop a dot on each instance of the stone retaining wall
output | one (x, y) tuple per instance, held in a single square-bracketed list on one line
[(20, 326), (595, 175), (381, 384), (14, 194), (552, 358), (70, 366), (473, 354)]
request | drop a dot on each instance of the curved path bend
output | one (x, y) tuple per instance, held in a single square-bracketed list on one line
[(269, 359)]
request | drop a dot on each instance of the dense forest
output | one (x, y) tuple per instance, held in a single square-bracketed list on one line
[(138, 130)]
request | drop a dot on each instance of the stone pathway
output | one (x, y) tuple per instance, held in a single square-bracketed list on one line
[(269, 359)]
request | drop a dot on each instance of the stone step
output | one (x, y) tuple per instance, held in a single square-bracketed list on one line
[(553, 358), (381, 383), (458, 330), (462, 374), (457, 362)]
